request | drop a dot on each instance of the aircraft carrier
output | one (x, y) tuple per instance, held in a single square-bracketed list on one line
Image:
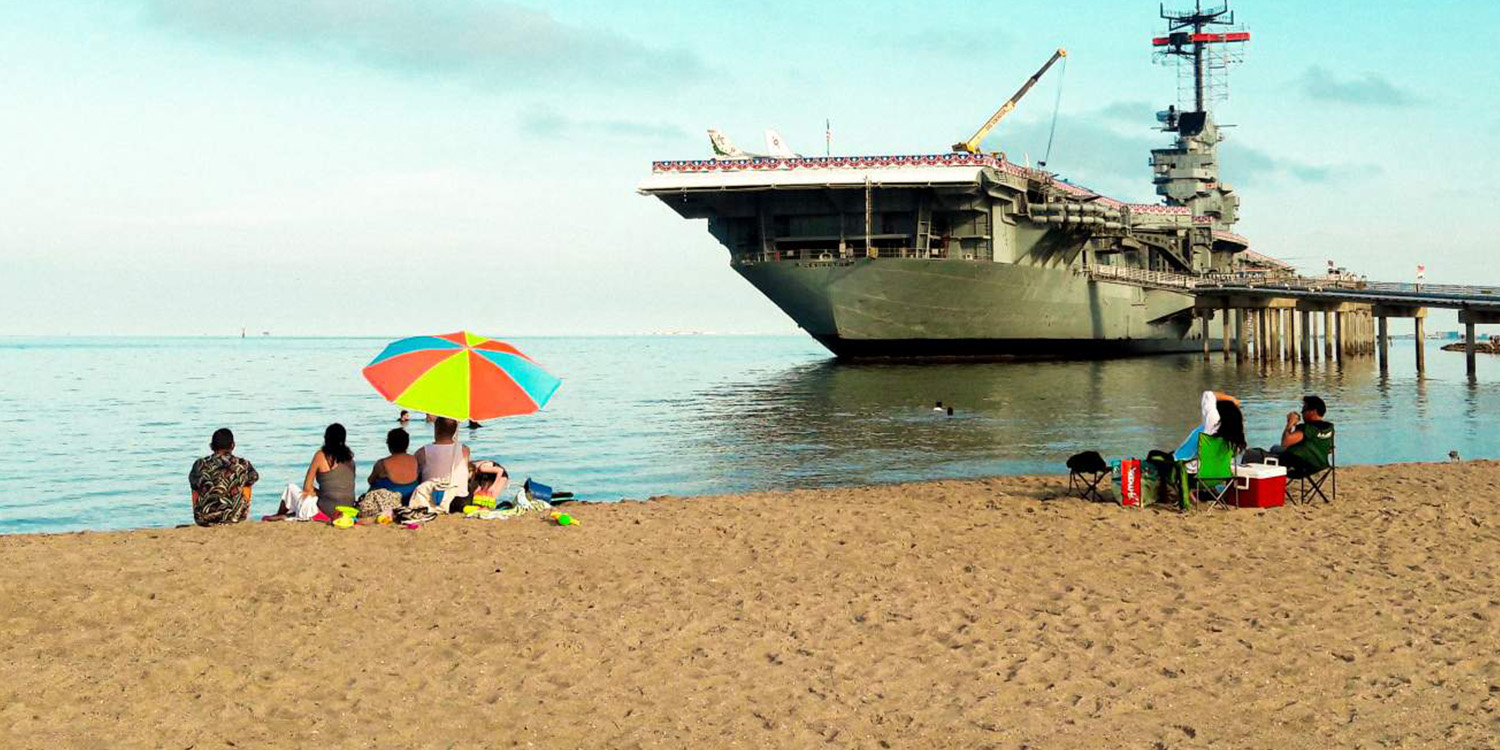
[(967, 254)]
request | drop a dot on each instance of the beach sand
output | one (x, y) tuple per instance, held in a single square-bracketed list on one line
[(975, 614)]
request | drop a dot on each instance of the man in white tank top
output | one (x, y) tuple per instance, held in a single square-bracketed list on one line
[(445, 459)]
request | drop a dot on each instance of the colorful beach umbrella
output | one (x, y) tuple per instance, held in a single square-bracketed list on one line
[(460, 375)]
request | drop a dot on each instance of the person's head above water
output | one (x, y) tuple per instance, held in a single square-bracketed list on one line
[(405, 415), (222, 441), (335, 445), (397, 441), (1313, 409), (1231, 424), (444, 428)]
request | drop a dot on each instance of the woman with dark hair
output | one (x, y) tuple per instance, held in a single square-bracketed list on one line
[(329, 481), (1231, 424), (1220, 417), (398, 471)]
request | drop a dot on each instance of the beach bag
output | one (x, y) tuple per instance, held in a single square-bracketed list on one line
[(433, 494), (377, 502), (1130, 482), (1160, 482)]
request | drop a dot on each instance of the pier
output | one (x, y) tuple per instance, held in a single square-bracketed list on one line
[(1281, 318)]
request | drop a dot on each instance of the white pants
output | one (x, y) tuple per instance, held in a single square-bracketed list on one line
[(299, 506)]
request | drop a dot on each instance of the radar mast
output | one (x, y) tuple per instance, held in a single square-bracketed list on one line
[(1187, 173)]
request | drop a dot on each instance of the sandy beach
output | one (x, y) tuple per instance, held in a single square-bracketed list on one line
[(974, 614)]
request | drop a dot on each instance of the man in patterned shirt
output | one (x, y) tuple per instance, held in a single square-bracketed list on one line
[(221, 483)]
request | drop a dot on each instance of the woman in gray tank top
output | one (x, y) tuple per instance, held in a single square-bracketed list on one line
[(329, 481), (330, 476)]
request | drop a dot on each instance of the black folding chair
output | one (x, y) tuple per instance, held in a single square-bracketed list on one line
[(1086, 471)]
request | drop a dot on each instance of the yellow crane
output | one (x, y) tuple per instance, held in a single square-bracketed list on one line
[(971, 146)]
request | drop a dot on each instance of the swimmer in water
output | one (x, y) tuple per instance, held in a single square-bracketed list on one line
[(473, 425), (939, 406), (405, 417)]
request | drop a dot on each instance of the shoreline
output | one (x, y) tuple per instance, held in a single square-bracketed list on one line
[(953, 613), (1112, 485)]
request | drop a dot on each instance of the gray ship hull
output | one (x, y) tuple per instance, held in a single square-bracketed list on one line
[(891, 307)]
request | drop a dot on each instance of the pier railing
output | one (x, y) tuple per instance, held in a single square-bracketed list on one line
[(1144, 278), (1342, 288)]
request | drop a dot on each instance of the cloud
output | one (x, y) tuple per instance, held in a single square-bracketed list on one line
[(1108, 150), (1130, 114), (547, 123), (493, 45), (963, 43), (1369, 90), (1333, 172)]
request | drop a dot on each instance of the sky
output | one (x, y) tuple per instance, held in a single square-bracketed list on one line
[(389, 167)]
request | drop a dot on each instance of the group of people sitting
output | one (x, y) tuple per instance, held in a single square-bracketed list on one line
[(1306, 438), (440, 477)]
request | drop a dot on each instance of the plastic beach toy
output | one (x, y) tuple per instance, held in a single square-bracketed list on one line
[(346, 517), (563, 519), (484, 501)]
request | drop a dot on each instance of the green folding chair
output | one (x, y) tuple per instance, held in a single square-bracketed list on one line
[(1215, 474), (1315, 467)]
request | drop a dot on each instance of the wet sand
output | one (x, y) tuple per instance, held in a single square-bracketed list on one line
[(976, 614)]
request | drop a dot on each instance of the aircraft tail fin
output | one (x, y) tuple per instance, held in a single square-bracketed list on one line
[(776, 146), (723, 147)]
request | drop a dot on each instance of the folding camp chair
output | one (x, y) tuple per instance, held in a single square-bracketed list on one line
[(1085, 471), (1215, 471), (1304, 483), (1310, 483)]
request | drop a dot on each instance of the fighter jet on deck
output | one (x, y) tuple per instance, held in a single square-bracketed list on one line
[(724, 148)]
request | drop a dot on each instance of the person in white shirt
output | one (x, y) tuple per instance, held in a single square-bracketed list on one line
[(1220, 416), (446, 462)]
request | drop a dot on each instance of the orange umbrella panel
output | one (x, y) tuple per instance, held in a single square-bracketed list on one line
[(460, 375)]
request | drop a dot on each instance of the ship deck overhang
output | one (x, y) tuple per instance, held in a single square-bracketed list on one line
[(659, 184)]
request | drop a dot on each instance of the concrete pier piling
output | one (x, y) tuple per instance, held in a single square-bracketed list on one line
[(1384, 336), (1421, 339), (1226, 319), (1240, 338), (1342, 347), (1205, 317), (1307, 337), (1471, 318), (1327, 336), (1469, 348), (1290, 351)]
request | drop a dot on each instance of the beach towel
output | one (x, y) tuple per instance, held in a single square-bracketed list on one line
[(413, 515), (522, 504)]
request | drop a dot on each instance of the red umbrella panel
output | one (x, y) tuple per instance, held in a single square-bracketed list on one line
[(461, 375)]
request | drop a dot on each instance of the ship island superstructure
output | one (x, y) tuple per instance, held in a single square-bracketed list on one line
[(969, 254)]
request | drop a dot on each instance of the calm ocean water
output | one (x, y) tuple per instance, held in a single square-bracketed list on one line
[(100, 433)]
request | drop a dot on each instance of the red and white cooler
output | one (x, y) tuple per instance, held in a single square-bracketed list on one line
[(1259, 486)]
